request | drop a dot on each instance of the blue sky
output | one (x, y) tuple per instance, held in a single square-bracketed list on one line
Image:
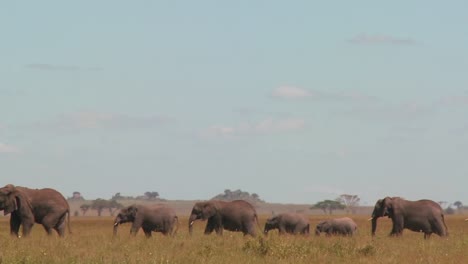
[(297, 101)]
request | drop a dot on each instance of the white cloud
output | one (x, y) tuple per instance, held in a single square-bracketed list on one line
[(5, 148), (266, 126), (291, 92), (381, 39)]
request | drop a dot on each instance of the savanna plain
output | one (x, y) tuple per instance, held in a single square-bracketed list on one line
[(92, 241)]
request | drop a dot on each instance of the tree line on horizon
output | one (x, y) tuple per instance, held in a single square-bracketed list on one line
[(348, 202)]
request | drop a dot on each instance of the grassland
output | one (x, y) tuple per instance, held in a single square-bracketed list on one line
[(92, 242)]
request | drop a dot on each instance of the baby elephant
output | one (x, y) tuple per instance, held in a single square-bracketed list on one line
[(338, 226), (155, 218), (287, 223)]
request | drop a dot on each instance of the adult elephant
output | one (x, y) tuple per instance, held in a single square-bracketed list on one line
[(155, 218), (291, 223), (28, 206), (237, 216), (420, 216), (338, 226)]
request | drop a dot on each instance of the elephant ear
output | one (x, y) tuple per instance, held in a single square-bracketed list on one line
[(208, 211), (389, 206), (11, 204), (17, 201), (132, 210), (272, 219)]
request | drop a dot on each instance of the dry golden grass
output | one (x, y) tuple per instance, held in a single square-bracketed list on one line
[(92, 242)]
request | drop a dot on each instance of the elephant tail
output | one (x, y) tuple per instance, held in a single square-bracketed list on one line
[(176, 222), (258, 224), (446, 229)]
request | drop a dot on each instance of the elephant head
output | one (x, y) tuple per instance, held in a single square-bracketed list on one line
[(271, 223), (383, 207), (323, 226), (12, 200), (201, 210), (125, 215)]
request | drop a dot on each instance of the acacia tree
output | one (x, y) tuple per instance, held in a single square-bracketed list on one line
[(152, 195), (84, 208), (99, 205), (350, 201), (459, 205), (328, 205), (113, 206)]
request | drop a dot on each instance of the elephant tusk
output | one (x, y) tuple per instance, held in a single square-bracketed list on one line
[(370, 219), (116, 224), (191, 223)]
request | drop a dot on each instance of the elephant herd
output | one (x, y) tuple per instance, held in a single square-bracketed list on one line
[(48, 207)]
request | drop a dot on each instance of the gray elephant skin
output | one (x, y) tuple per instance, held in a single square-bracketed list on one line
[(157, 218), (339, 226), (420, 216), (28, 206), (237, 216), (290, 223)]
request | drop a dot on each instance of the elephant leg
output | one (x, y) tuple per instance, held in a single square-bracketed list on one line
[(219, 230), (147, 232), (427, 235), (281, 230), (15, 224), (60, 226), (49, 222), (48, 229), (134, 229), (27, 226), (210, 226)]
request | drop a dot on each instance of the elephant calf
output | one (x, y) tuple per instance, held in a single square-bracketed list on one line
[(149, 218), (288, 223), (338, 226)]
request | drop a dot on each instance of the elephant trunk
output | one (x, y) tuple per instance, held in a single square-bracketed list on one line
[(317, 232), (374, 225), (192, 218), (116, 225)]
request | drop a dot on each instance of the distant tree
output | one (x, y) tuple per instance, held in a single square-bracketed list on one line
[(116, 196), (84, 208), (350, 201), (76, 196), (99, 205), (449, 210), (113, 206), (442, 203), (152, 195), (459, 205), (229, 195), (328, 205)]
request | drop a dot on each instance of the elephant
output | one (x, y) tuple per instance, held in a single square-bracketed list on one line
[(291, 223), (237, 215), (155, 218), (420, 216), (28, 206), (338, 226)]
